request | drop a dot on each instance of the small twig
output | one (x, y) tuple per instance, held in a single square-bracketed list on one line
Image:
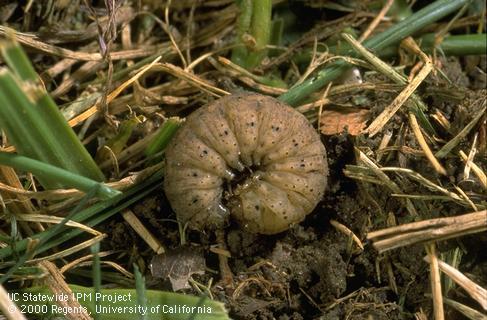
[(73, 249), (465, 310), (94, 109), (453, 142), (345, 230), (312, 105), (383, 145), (323, 98), (225, 271), (376, 20), (142, 231), (395, 105), (55, 281), (171, 36), (78, 55), (476, 169), (190, 78), (474, 290), (418, 177), (422, 143), (435, 282), (471, 155), (76, 262), (428, 230)]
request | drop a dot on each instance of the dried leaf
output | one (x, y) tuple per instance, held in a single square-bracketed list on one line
[(334, 121), (178, 265)]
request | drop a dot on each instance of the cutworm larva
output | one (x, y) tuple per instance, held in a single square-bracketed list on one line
[(249, 156)]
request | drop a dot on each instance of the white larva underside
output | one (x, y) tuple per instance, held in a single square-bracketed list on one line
[(270, 143)]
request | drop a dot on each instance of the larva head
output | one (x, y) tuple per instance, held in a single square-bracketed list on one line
[(248, 155)]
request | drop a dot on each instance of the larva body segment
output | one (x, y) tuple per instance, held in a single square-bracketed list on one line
[(246, 155)]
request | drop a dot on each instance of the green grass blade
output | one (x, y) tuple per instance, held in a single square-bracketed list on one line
[(458, 45), (243, 26), (18, 61), (48, 234), (141, 291), (95, 249), (254, 20), (33, 122), (91, 217), (394, 34), (163, 136), (67, 178)]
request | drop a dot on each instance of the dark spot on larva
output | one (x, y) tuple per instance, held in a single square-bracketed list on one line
[(195, 200), (195, 174), (205, 151), (296, 144), (257, 207), (252, 124), (302, 165), (225, 132)]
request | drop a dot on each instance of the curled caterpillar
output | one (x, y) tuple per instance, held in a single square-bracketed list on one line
[(249, 156)]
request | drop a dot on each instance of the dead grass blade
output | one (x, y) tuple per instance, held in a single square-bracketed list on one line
[(435, 282), (349, 233), (379, 122), (474, 290), (428, 230), (142, 231), (427, 183), (465, 310), (70, 250), (386, 180), (376, 20), (53, 219), (476, 170), (87, 257), (422, 142), (191, 78), (94, 109), (49, 49), (8, 307), (55, 281), (445, 150)]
